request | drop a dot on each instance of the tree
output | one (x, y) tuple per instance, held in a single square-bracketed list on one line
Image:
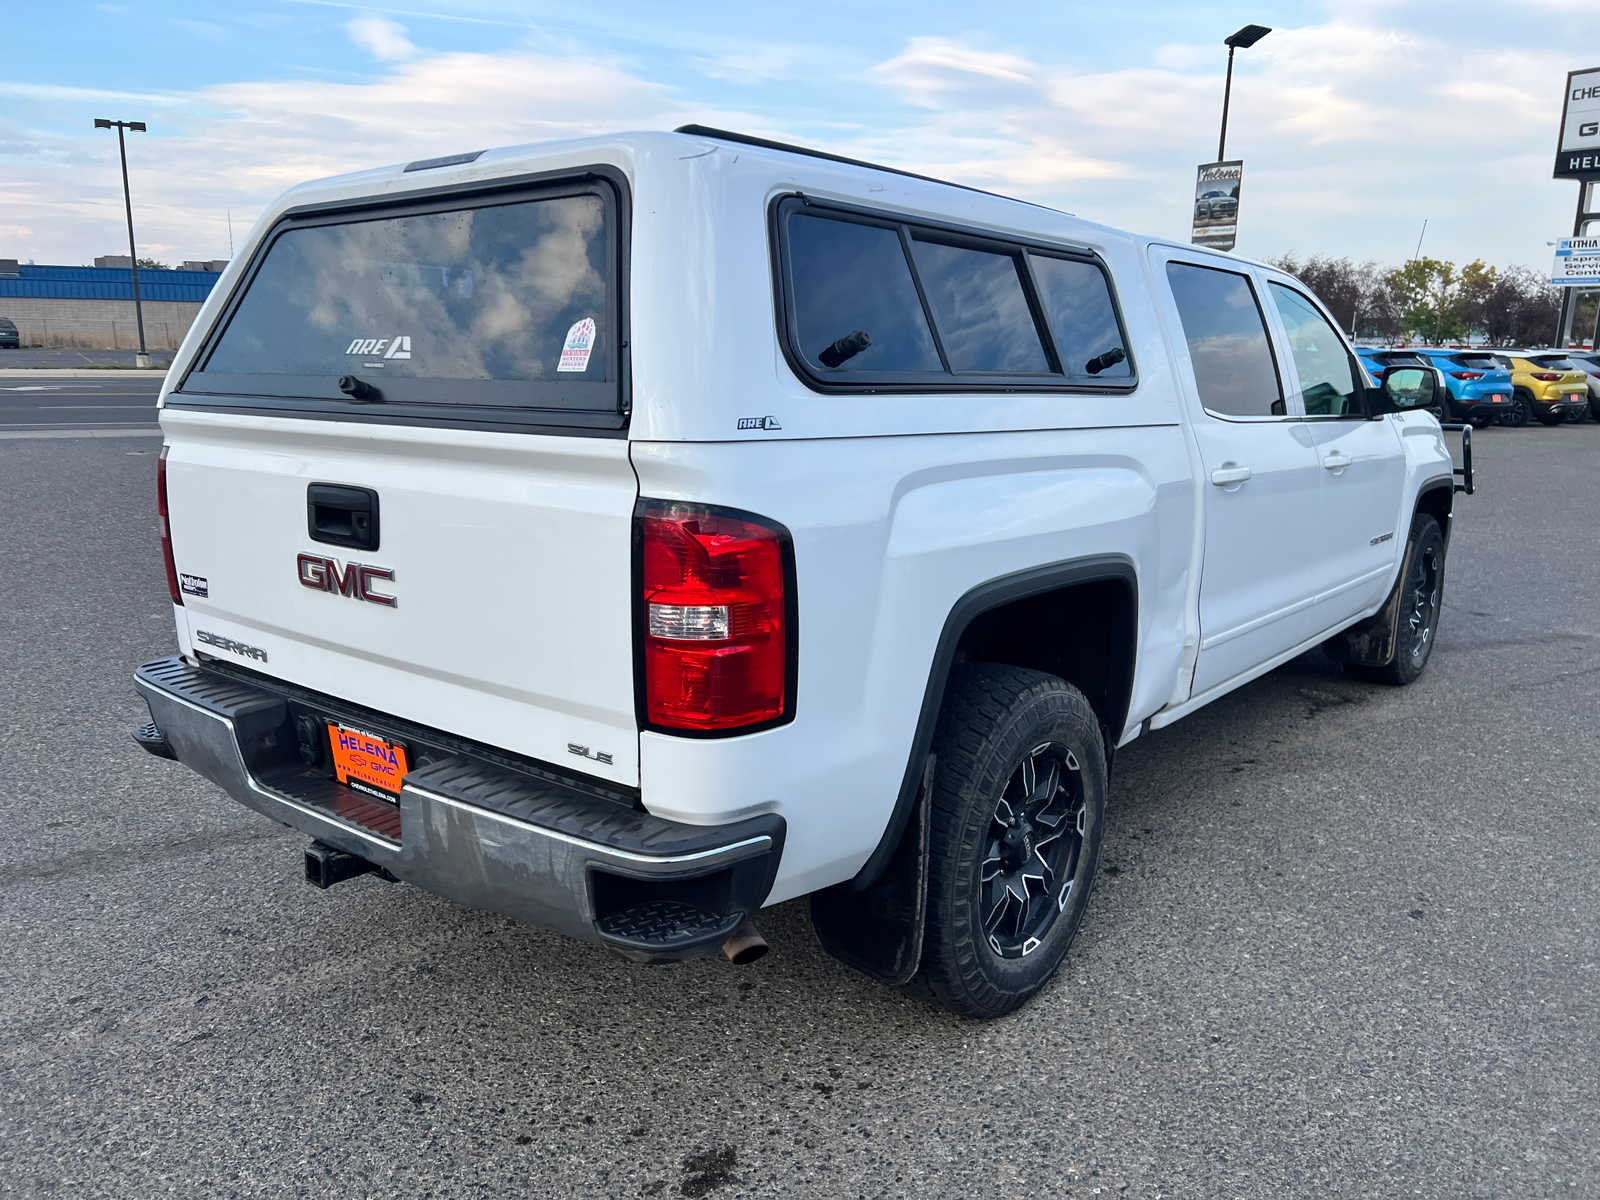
[(151, 264), (1473, 292), (1520, 309), (1425, 290), (1381, 316)]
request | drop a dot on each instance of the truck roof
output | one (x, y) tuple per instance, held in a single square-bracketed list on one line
[(791, 166)]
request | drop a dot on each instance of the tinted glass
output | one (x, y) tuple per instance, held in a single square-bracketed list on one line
[(856, 307), (1328, 379), (1233, 365), (980, 309), (504, 292), (1477, 362), (1083, 321), (1554, 362)]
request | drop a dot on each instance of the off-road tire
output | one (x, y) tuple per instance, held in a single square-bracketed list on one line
[(1421, 585), (993, 718)]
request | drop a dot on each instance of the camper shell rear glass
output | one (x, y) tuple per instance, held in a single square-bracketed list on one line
[(499, 306)]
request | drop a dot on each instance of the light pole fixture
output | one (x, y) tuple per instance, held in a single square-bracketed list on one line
[(1241, 40), (142, 359)]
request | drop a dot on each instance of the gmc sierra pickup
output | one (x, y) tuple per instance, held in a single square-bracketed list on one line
[(625, 534)]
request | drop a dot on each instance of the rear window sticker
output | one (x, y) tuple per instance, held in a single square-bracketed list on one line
[(575, 349)]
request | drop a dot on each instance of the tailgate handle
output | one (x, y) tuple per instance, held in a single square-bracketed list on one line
[(342, 516)]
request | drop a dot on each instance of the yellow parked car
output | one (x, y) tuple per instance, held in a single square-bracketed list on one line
[(1550, 387)]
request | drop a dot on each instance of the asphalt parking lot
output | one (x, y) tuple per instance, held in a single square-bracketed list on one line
[(1346, 942), (46, 402), (67, 359)]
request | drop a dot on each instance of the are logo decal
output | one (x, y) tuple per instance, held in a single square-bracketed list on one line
[(395, 347), (760, 423)]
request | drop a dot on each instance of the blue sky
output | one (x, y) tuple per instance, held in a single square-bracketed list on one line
[(1355, 121)]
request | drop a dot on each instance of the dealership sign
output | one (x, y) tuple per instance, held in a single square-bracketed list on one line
[(1578, 151), (1216, 204), (1577, 262)]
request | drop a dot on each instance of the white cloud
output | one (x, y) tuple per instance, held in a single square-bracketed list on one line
[(1352, 132), (380, 37), (932, 71)]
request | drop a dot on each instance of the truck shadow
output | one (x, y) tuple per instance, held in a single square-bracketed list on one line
[(704, 1072)]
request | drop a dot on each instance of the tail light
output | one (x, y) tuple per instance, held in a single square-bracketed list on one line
[(1467, 374), (717, 608), (166, 528), (1547, 376)]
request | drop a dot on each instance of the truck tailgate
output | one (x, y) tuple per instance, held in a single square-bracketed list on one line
[(506, 556)]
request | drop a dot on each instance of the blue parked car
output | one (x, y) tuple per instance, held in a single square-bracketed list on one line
[(1476, 385), (1378, 360), (1480, 387)]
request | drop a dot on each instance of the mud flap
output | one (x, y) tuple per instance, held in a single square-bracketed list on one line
[(1371, 643), (878, 930)]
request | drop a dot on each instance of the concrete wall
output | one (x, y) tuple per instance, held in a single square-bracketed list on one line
[(98, 324)]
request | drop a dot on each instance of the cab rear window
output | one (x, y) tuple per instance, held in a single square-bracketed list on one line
[(871, 302), (502, 301)]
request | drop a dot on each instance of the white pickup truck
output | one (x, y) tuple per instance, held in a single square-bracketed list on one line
[(629, 533)]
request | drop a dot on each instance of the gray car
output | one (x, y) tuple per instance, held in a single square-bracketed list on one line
[(9, 338), (1589, 361)]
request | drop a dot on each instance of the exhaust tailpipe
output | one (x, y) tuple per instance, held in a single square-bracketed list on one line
[(745, 944)]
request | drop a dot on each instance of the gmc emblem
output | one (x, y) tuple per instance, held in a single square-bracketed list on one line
[(353, 579)]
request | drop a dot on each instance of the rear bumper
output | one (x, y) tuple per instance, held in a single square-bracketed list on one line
[(1483, 405), (1557, 399), (536, 846)]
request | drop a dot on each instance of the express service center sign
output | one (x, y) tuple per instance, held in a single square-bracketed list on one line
[(1216, 204), (1577, 262), (1578, 151)]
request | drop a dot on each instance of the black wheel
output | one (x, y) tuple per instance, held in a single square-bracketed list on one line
[(1421, 588), (1480, 422), (1594, 408), (1521, 409), (1014, 835)]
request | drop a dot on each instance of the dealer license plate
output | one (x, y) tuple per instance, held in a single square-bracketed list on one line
[(366, 762)]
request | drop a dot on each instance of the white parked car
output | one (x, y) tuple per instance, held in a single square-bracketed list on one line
[(626, 534)]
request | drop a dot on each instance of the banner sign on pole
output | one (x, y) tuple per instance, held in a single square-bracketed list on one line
[(1216, 204), (1578, 149), (1577, 262)]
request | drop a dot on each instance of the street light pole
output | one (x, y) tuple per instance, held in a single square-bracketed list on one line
[(1242, 40), (142, 359)]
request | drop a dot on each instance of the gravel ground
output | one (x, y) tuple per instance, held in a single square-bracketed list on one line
[(1344, 943)]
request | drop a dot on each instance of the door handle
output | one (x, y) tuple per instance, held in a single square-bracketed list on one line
[(1336, 461), (342, 516), (1230, 475)]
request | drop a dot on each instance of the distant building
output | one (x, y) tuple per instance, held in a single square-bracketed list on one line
[(92, 307)]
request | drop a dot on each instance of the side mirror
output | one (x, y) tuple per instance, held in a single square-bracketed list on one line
[(1406, 388)]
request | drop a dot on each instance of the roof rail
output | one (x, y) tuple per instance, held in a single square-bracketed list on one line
[(746, 139)]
